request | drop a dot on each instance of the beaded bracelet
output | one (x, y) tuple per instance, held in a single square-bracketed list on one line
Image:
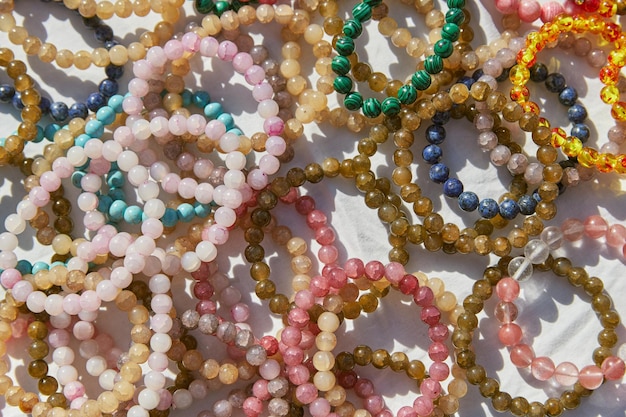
[(468, 322), (529, 11)]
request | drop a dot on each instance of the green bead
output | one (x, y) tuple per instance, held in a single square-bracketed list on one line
[(390, 106), (451, 32), (456, 4), (204, 6), (421, 80), (221, 7), (362, 12), (371, 108), (433, 64), (340, 65), (455, 16), (407, 94), (342, 84), (372, 3), (352, 28), (353, 101), (344, 46), (443, 48)]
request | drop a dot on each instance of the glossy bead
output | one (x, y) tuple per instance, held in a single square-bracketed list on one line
[(566, 374), (542, 368), (591, 377)]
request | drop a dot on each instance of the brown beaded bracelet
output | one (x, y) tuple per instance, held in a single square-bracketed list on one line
[(489, 387)]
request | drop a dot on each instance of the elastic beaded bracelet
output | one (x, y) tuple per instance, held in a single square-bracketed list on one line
[(522, 268), (420, 81), (529, 11)]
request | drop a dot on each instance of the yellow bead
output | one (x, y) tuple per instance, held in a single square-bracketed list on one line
[(519, 75), (618, 111), (609, 94), (587, 157), (606, 162), (558, 138), (572, 146)]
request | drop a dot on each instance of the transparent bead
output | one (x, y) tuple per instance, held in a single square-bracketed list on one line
[(552, 236), (520, 268), (537, 251)]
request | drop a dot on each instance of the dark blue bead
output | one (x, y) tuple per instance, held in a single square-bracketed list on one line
[(577, 113), (16, 101), (6, 93), (581, 131), (509, 209), (538, 73), (536, 196), (453, 187), (526, 205), (488, 208), (92, 22), (441, 118), (110, 44), (504, 76), (468, 81), (78, 110), (555, 82), (114, 72), (104, 33), (439, 173), (108, 88), (432, 154), (477, 74), (468, 201), (568, 96), (95, 101), (44, 105), (435, 134), (59, 111)]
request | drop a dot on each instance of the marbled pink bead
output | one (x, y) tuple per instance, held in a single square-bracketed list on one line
[(533, 174), (178, 124), (50, 181), (364, 388), (86, 251), (613, 368), (254, 75), (208, 46), (542, 368), (293, 356), (591, 377), (438, 351), (58, 338), (161, 323), (507, 289), (328, 254), (71, 304), (438, 332), (62, 167), (320, 407), (424, 296), (291, 336), (384, 413), (158, 361), (134, 262), (439, 371), (522, 355), (325, 235), (275, 145), (196, 125), (573, 229), (430, 315), (187, 188), (374, 404), (308, 340), (252, 407), (170, 183), (616, 236), (138, 88), (430, 388), (132, 105), (337, 277), (316, 219), (10, 277), (262, 91), (566, 374), (142, 69), (215, 234), (407, 411), (274, 126), (507, 6), (500, 155), (227, 50), (39, 196), (408, 284), (173, 49), (242, 61), (299, 375), (595, 226), (306, 393), (156, 57), (510, 334), (191, 42), (269, 164), (215, 129), (423, 406), (394, 272), (319, 286), (18, 327), (354, 268), (304, 300), (165, 399), (240, 312), (99, 166), (74, 390), (529, 10), (257, 179), (550, 10), (89, 300), (374, 270)]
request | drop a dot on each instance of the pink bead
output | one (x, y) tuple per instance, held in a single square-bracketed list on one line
[(510, 334), (215, 129), (178, 124), (522, 355), (596, 227), (424, 296), (439, 371), (292, 355), (173, 49), (304, 300), (240, 312), (62, 167), (191, 42), (291, 336), (394, 272), (542, 368), (529, 10), (10, 277), (252, 406), (156, 56), (374, 270), (438, 332), (263, 91), (269, 164), (78, 403), (227, 50), (613, 368), (325, 235), (242, 62), (208, 46), (337, 278), (430, 315), (50, 181), (328, 254), (374, 404), (71, 304), (573, 229), (507, 289), (550, 10), (83, 330), (257, 179), (423, 406), (507, 6), (591, 377), (274, 126), (99, 166), (254, 75), (320, 407), (408, 284), (259, 390), (566, 374), (616, 236), (438, 351), (364, 388), (354, 268), (137, 88), (73, 390), (407, 411), (58, 338), (319, 286), (430, 388), (306, 393), (299, 375), (142, 69), (39, 196)]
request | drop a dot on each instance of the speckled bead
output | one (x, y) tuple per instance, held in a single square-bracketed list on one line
[(451, 32), (342, 84), (468, 201), (443, 48), (455, 15), (352, 28), (509, 209), (407, 94), (488, 208), (371, 107), (362, 12), (344, 46), (340, 65), (390, 106), (204, 6), (457, 4), (433, 64), (353, 101), (421, 80)]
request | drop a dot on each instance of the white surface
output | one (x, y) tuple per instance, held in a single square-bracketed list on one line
[(556, 317)]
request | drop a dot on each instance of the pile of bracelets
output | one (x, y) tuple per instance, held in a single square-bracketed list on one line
[(192, 235)]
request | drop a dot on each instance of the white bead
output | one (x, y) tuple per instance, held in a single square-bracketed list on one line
[(267, 108), (229, 142), (8, 241), (154, 208), (26, 210), (235, 160), (137, 411), (77, 264), (225, 216), (144, 245), (63, 355), (552, 236), (148, 399), (190, 261), (182, 399), (159, 284), (14, 224), (160, 342), (520, 268), (96, 365), (88, 315), (206, 251), (76, 156), (138, 175), (127, 160), (536, 251), (93, 148), (234, 179), (107, 379), (67, 374), (159, 170), (36, 301), (8, 260), (61, 321), (154, 380), (148, 190), (141, 129), (54, 304), (87, 202), (111, 150), (204, 193)]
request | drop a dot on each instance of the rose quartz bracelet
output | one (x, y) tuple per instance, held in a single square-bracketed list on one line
[(531, 10)]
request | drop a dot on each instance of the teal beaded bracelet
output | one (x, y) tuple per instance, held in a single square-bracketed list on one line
[(421, 79)]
